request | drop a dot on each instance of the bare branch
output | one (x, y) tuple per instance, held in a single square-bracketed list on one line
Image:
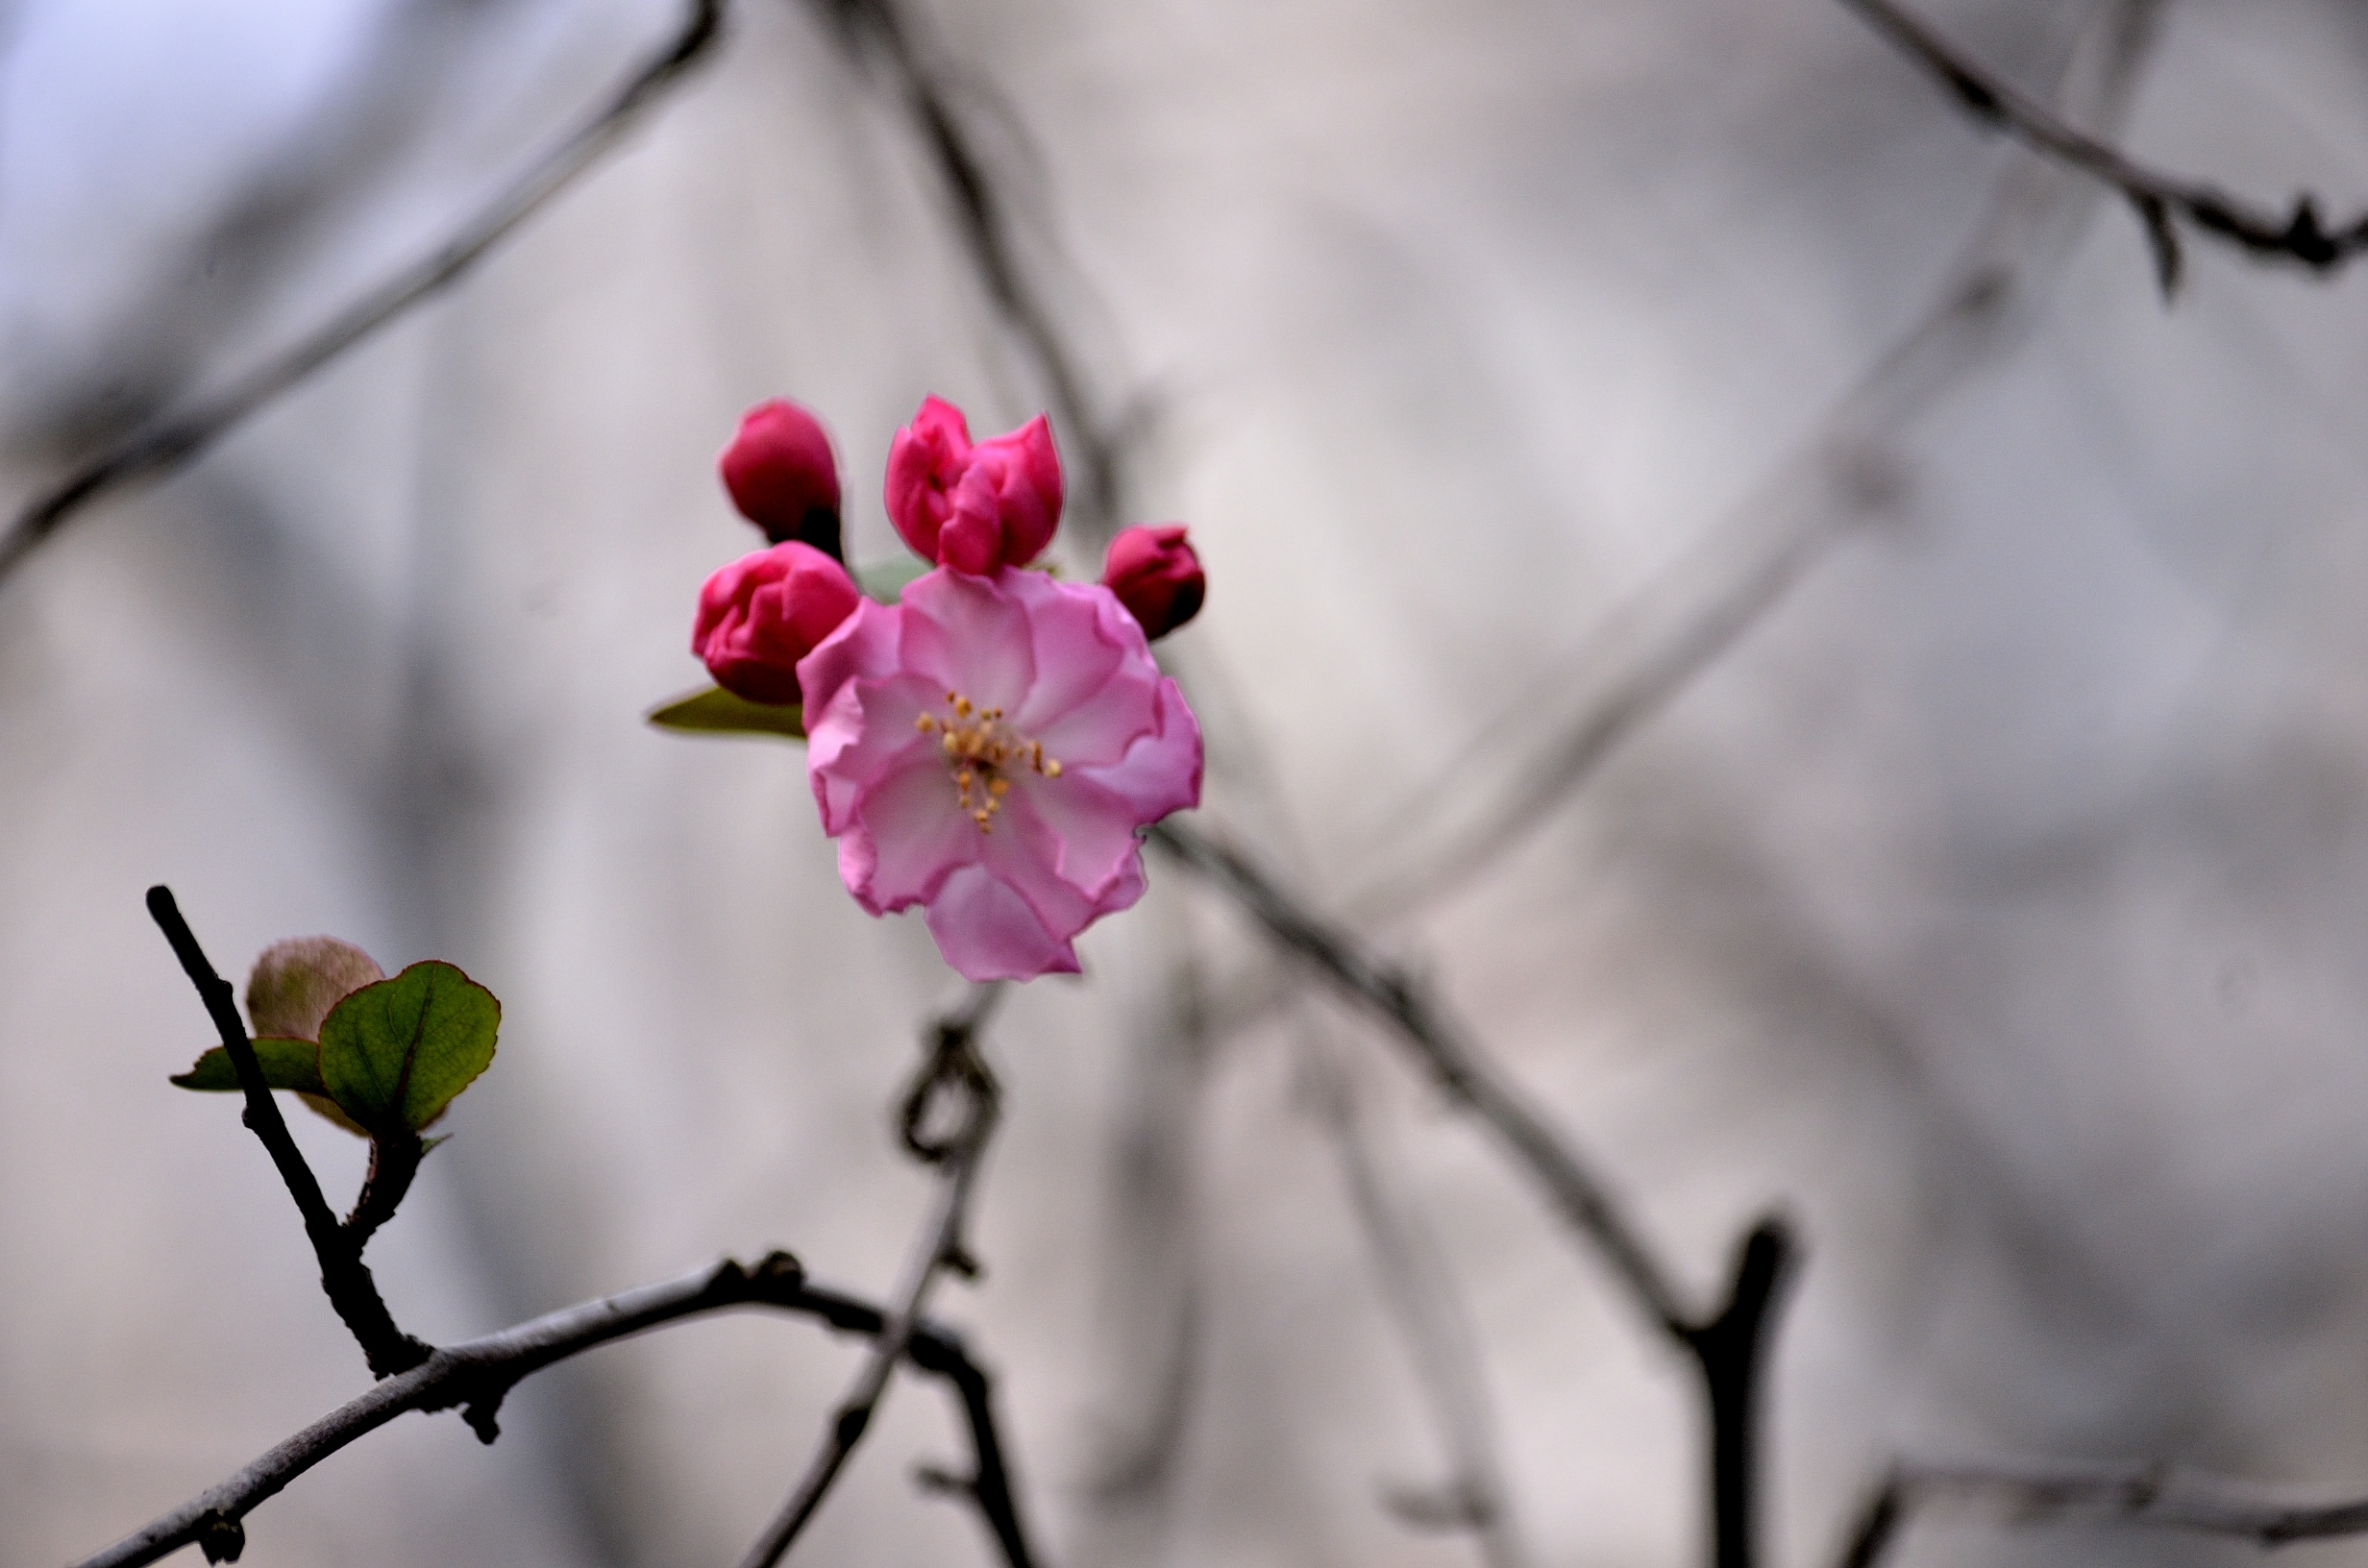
[(2156, 197), (343, 1275), (1387, 992), (477, 1373), (953, 1063), (1848, 477), (1727, 1345), (180, 438), (2149, 1495), (1414, 1284)]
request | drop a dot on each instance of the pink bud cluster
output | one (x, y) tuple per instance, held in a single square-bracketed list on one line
[(974, 507), (989, 745)]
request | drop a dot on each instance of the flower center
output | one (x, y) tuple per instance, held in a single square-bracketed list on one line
[(982, 752)]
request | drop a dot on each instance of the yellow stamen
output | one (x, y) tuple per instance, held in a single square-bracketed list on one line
[(981, 750)]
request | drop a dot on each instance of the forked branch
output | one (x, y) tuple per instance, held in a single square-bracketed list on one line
[(344, 1276), (2149, 1495), (476, 1374), (2159, 198), (953, 1065)]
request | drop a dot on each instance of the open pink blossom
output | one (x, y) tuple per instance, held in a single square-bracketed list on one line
[(975, 508), (988, 747), (764, 612)]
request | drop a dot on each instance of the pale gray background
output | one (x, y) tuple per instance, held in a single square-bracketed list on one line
[(1996, 904)]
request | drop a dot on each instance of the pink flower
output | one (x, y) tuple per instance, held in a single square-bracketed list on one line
[(761, 614), (988, 749), (782, 476), (1156, 576), (975, 508)]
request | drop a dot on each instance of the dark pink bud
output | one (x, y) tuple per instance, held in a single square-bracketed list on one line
[(1156, 576), (781, 475), (761, 614), (975, 508)]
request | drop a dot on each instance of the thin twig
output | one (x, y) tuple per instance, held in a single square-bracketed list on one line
[(1850, 477), (477, 1373), (1730, 1353), (955, 1064), (2149, 1495), (346, 1279), (1418, 1287), (1727, 1345), (178, 439), (2156, 197), (1462, 1073)]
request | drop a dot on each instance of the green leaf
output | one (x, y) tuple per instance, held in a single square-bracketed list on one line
[(715, 711), (286, 1063), (885, 580), (394, 1054)]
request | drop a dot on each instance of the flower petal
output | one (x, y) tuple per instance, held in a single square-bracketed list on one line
[(988, 932), (970, 635), (1076, 646), (864, 644), (1082, 832), (866, 734), (913, 836), (1161, 771)]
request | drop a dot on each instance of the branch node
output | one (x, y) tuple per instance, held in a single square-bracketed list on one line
[(221, 1537), (482, 1413), (938, 1480)]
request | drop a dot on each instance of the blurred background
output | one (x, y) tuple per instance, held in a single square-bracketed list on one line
[(1734, 576)]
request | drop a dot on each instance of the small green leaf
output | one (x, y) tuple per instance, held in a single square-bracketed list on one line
[(885, 580), (286, 1063), (715, 711), (394, 1054)]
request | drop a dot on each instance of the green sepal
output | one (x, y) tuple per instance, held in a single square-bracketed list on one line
[(394, 1054), (885, 580), (286, 1063), (716, 711)]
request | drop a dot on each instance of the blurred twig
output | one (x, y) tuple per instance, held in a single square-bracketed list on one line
[(1726, 1345), (953, 1064), (2157, 198), (178, 438), (1851, 475), (1092, 439), (477, 1373), (1417, 1286), (2151, 1496)]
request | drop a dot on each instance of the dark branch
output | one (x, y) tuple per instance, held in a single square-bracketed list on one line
[(182, 437), (953, 1064), (1730, 1351), (1727, 1346), (1459, 1069), (346, 1279), (476, 1374), (2297, 235), (2148, 1496)]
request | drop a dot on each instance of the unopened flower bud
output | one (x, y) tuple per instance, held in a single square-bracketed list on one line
[(1153, 570), (782, 476), (761, 614), (296, 982), (975, 508)]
